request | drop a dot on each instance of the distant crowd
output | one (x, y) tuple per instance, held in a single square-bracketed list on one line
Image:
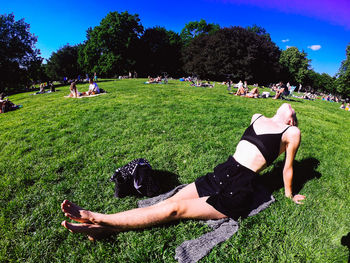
[(277, 90), (280, 90)]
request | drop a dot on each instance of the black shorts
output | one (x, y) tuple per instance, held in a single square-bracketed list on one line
[(233, 189)]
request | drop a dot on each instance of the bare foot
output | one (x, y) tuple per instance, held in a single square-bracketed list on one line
[(93, 232), (76, 213)]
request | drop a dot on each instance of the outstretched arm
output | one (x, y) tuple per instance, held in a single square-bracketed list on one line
[(293, 142)]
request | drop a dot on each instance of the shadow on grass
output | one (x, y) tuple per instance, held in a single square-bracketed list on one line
[(345, 241), (104, 80), (158, 182), (289, 99), (304, 171), (167, 180)]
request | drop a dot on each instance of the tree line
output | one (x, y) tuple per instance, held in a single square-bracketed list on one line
[(120, 44)]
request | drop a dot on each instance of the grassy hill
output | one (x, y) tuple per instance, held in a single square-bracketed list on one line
[(57, 148)]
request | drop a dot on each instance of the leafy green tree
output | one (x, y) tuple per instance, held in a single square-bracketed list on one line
[(110, 47), (260, 31), (234, 51), (196, 28), (320, 82), (63, 63), (343, 75), (295, 64), (18, 56), (159, 51)]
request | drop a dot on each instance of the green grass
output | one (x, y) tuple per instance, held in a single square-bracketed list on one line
[(56, 148)]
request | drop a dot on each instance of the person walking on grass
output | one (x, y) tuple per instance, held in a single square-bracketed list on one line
[(227, 192)]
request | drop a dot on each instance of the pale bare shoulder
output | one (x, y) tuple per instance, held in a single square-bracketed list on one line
[(254, 117), (293, 135)]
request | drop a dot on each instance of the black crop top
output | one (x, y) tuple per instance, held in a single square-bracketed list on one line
[(268, 144)]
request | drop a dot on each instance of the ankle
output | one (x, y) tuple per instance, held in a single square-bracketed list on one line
[(95, 218)]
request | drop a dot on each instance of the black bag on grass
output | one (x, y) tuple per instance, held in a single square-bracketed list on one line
[(135, 178)]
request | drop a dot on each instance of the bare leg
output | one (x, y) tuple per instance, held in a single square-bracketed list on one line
[(185, 204), (138, 218), (81, 215), (240, 92), (278, 93), (188, 192)]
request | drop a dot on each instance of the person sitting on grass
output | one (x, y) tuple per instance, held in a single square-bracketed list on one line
[(2, 97), (93, 88), (227, 192), (347, 108), (245, 86), (282, 90), (52, 87), (41, 89), (74, 91)]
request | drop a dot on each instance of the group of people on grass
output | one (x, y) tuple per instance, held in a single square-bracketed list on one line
[(80, 79), (93, 90), (330, 98), (42, 87), (156, 80), (343, 107), (203, 84)]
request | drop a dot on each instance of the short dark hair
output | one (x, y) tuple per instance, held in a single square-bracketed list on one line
[(295, 119)]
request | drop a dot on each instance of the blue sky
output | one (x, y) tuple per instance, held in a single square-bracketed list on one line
[(321, 28)]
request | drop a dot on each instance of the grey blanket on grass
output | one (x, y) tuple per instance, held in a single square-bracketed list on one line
[(193, 250)]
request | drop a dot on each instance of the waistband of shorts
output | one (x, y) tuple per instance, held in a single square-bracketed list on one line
[(238, 165)]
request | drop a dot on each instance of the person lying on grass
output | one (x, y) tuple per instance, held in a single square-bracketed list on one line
[(227, 192), (7, 105), (154, 80), (254, 93)]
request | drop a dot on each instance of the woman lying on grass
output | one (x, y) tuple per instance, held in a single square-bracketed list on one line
[(227, 192), (254, 93)]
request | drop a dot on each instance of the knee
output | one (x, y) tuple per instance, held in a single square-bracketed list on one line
[(176, 209)]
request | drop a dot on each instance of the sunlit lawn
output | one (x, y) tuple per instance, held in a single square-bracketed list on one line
[(57, 148)]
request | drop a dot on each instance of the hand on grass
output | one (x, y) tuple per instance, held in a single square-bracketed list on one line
[(298, 198)]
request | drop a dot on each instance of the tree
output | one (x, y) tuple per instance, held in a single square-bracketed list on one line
[(18, 56), (343, 75), (320, 82), (295, 65), (260, 31), (196, 28), (159, 51), (233, 51), (63, 63), (110, 48)]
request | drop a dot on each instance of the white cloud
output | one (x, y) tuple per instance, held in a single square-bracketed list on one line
[(285, 40), (288, 47), (314, 47)]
